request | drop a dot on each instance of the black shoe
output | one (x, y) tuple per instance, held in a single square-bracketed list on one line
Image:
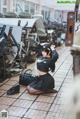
[(15, 89)]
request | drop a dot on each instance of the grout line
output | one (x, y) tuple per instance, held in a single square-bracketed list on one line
[(59, 90)]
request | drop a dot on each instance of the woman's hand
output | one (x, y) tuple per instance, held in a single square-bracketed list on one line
[(52, 47)]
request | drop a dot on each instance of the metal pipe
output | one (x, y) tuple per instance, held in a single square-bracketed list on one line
[(76, 9)]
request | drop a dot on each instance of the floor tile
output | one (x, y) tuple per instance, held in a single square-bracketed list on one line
[(45, 99), (57, 108), (16, 78), (11, 82), (50, 115), (12, 117), (41, 106), (35, 114), (5, 87), (3, 107), (6, 101), (23, 88), (57, 88), (12, 96), (27, 96), (16, 111), (2, 92), (23, 103), (50, 94)]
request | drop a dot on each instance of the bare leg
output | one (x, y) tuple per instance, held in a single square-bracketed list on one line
[(34, 91)]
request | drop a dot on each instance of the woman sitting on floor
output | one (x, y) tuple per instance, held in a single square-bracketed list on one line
[(44, 82)]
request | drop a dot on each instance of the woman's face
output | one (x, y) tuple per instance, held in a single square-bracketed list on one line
[(44, 54)]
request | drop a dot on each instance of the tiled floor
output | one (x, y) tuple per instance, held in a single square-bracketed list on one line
[(46, 106)]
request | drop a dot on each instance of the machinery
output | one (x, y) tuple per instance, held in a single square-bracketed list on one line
[(18, 40)]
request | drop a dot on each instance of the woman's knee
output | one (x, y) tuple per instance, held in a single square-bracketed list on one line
[(30, 90), (33, 91)]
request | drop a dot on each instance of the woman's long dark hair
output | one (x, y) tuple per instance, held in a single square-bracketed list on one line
[(48, 51)]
